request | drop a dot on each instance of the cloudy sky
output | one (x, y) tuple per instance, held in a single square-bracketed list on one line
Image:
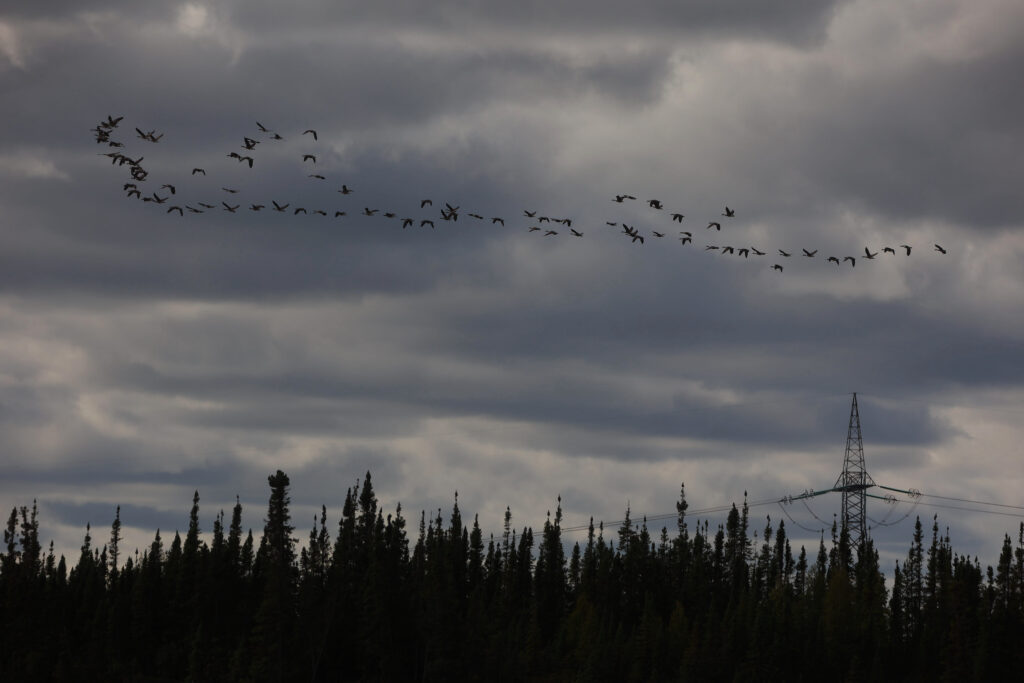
[(146, 354)]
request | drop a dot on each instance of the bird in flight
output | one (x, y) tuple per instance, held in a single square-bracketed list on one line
[(425, 202), (810, 254), (868, 255), (888, 250), (228, 189), (279, 207), (655, 204), (833, 259), (198, 170), (310, 131), (785, 253), (309, 157), (678, 217), (345, 189), (716, 225), (777, 267), (228, 207), (940, 249), (575, 232), (853, 261), (729, 213), (907, 247)]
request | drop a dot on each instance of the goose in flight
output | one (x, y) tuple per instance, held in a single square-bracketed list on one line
[(533, 228), (425, 202), (853, 261), (309, 157), (229, 190), (868, 255), (907, 247), (345, 189), (198, 170), (785, 253), (622, 197), (389, 214), (655, 204), (298, 209), (716, 225), (476, 216), (176, 208), (427, 222), (207, 206), (529, 214), (729, 213), (833, 259), (550, 232), (497, 220), (743, 252), (255, 207), (888, 250), (757, 251), (657, 234), (940, 249), (367, 211), (575, 232), (777, 267), (229, 208), (249, 143), (317, 176), (678, 217), (263, 129), (543, 219), (168, 186), (686, 240), (279, 207), (810, 254), (338, 214), (192, 209), (728, 250), (709, 247), (406, 222), (320, 212), (310, 131), (111, 122)]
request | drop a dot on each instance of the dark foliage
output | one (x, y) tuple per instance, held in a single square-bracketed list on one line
[(366, 605)]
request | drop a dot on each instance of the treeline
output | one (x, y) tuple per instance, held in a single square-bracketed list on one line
[(363, 602)]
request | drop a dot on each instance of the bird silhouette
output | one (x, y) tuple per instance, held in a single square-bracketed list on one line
[(308, 131), (868, 255), (833, 259), (198, 170), (279, 207), (497, 220), (907, 247), (345, 189), (427, 222), (729, 213), (338, 214), (777, 267), (576, 232), (228, 207), (176, 208), (309, 157), (678, 217), (853, 261), (714, 224), (317, 176), (888, 250), (785, 253), (425, 202), (299, 209), (810, 254), (256, 207), (939, 249)]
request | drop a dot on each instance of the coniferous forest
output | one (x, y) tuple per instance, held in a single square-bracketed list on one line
[(367, 599)]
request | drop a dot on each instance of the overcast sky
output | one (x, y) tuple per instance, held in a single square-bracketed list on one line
[(146, 354)]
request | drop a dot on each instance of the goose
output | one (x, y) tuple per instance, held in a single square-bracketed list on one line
[(497, 220), (888, 250), (940, 249), (338, 214), (255, 207), (406, 222), (533, 228), (550, 232), (320, 212), (229, 190), (868, 255), (575, 232), (907, 247), (657, 234), (389, 214), (785, 253), (198, 170), (192, 209), (298, 209), (678, 217), (728, 250), (427, 222), (249, 143), (425, 202), (777, 267), (176, 208), (229, 208), (279, 207), (263, 129), (853, 261), (810, 254), (709, 247), (367, 211), (714, 224), (743, 252), (309, 157), (476, 216), (757, 251), (111, 122), (610, 223), (308, 131), (729, 213), (168, 187), (207, 206), (686, 240), (345, 189), (833, 259), (655, 204), (529, 214), (317, 176)]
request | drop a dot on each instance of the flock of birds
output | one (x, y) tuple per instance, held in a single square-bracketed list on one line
[(140, 187)]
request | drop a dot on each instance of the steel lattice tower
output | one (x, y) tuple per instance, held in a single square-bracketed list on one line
[(854, 481)]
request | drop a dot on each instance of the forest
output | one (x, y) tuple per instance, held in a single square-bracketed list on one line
[(365, 599)]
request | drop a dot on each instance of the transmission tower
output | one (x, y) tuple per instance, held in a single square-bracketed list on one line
[(854, 481)]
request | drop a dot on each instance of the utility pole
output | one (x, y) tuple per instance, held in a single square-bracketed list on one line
[(854, 481)]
